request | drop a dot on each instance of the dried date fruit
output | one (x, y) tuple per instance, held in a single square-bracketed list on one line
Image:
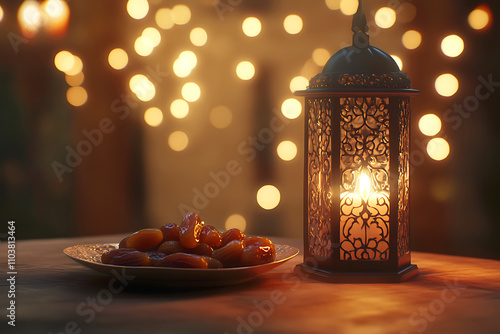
[(210, 236), (229, 254), (201, 249), (155, 257), (184, 260), (260, 241), (125, 257), (232, 234), (145, 239), (123, 243), (190, 230), (172, 247), (213, 263), (170, 231), (256, 254)]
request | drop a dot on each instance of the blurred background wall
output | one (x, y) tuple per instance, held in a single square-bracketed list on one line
[(118, 115)]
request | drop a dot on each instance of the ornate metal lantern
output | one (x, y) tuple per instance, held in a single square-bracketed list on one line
[(357, 141)]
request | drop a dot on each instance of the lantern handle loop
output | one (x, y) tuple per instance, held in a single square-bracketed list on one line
[(359, 26)]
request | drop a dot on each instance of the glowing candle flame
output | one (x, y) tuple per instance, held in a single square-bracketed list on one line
[(364, 185)]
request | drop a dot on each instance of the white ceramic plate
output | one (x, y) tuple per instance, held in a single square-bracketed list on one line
[(90, 256)]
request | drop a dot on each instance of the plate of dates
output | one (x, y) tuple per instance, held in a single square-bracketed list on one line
[(191, 254)]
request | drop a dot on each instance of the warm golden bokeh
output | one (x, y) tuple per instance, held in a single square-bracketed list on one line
[(179, 108), (438, 149), (245, 70), (430, 125), (287, 150), (412, 39), (291, 108), (452, 46), (191, 92), (268, 197), (198, 36), (153, 117), (118, 59), (76, 96), (251, 26), (293, 24), (447, 85), (385, 17)]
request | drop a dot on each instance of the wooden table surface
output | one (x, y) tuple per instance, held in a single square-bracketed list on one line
[(53, 294)]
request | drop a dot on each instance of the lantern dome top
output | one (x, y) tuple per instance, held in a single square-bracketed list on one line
[(368, 60), (360, 67)]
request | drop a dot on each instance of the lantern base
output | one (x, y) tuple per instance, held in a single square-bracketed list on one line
[(304, 271)]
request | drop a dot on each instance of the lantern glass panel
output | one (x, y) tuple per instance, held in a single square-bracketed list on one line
[(319, 170), (364, 170)]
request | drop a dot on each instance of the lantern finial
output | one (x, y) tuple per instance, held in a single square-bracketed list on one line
[(359, 27)]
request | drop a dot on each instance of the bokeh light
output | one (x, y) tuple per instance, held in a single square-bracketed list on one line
[(320, 56), (245, 70), (181, 14), (185, 63), (77, 66), (438, 149), (143, 46), (293, 24), (398, 61), (198, 36), (137, 9), (251, 26), (56, 16), (1, 13), (153, 34), (333, 4), (164, 18), (236, 221), (29, 17), (348, 7), (76, 96), (191, 92), (75, 80), (447, 85), (268, 197), (142, 87), (291, 108), (181, 69), (64, 61), (412, 39), (179, 108), (430, 125), (55, 8), (287, 150), (118, 59), (221, 117), (452, 46), (178, 141), (385, 17), (479, 18), (298, 83), (153, 116)]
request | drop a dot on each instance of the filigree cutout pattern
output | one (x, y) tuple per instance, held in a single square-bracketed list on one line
[(364, 217), (319, 169)]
